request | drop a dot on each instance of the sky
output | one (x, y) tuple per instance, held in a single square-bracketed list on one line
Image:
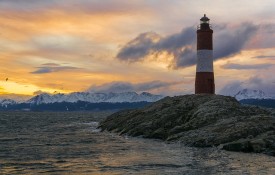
[(63, 46)]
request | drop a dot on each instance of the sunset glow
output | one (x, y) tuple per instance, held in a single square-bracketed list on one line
[(67, 46)]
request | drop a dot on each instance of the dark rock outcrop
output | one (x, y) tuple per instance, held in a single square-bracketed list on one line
[(202, 121)]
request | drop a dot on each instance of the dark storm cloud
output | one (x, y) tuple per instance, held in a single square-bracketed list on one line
[(174, 44), (150, 42), (184, 58), (176, 41), (130, 87), (248, 66), (52, 67), (139, 47), (227, 42)]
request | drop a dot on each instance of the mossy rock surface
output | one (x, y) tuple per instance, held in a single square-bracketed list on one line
[(200, 120)]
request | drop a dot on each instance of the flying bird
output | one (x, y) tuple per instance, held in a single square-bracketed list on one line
[(7, 79)]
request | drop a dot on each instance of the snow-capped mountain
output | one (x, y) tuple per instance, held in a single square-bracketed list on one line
[(5, 102), (94, 97), (251, 94)]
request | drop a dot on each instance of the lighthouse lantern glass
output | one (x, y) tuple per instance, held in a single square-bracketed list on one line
[(204, 22)]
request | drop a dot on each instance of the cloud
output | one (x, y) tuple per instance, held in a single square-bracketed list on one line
[(262, 83), (264, 56), (184, 58), (139, 47), (264, 37), (59, 43), (25, 5), (16, 97), (255, 82), (150, 43), (231, 88), (176, 41), (154, 85), (52, 67), (84, 6), (129, 87), (38, 92), (112, 87), (50, 64), (248, 66), (227, 42)]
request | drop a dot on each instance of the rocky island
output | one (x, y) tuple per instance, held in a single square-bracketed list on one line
[(202, 121)]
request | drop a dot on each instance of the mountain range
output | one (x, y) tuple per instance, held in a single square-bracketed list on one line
[(255, 97), (251, 94), (94, 97), (82, 101), (88, 97), (4, 102), (88, 100)]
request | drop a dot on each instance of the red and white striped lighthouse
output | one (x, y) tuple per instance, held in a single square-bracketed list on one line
[(204, 83)]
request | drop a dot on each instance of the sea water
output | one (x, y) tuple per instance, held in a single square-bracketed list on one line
[(70, 143)]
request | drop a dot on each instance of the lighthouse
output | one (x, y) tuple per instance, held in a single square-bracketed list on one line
[(204, 83)]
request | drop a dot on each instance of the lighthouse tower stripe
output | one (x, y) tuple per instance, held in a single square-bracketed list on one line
[(204, 61)]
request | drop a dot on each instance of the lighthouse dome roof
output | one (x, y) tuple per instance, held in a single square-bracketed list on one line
[(205, 18)]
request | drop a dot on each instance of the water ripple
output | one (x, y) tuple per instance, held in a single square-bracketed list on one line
[(70, 143)]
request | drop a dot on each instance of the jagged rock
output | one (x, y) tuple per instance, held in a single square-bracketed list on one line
[(262, 143), (200, 120)]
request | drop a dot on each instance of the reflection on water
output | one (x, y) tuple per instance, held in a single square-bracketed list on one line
[(69, 143)]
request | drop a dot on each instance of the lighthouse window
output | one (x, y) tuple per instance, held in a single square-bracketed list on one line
[(204, 22)]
